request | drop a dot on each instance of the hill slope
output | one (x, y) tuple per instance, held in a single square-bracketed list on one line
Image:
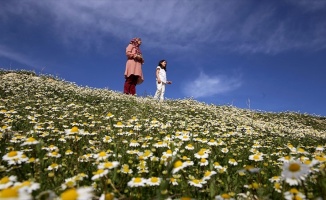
[(65, 139), (21, 89)]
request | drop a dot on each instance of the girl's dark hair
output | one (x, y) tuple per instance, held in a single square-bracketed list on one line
[(160, 64)]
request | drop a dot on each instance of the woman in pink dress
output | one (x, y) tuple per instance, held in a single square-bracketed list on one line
[(133, 72)]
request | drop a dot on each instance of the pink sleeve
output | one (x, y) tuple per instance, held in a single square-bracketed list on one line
[(129, 52)]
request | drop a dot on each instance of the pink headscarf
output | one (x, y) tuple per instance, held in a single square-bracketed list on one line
[(134, 41)]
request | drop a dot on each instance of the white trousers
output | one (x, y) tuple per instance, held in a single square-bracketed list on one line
[(160, 90)]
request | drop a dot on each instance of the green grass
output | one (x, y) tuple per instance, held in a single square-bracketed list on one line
[(47, 108)]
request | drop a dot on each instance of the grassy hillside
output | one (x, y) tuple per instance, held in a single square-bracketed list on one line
[(61, 141)]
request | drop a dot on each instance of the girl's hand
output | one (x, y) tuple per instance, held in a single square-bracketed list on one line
[(168, 82)]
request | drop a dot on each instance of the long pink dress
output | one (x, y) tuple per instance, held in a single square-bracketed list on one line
[(133, 67)]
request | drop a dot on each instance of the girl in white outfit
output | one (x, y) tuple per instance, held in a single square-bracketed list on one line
[(161, 80)]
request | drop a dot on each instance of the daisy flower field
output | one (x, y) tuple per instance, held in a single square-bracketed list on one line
[(62, 141)]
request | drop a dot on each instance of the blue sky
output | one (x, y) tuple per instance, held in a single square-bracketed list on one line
[(257, 54)]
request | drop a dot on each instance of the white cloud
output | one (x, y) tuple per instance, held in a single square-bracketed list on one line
[(21, 58), (241, 26), (205, 85)]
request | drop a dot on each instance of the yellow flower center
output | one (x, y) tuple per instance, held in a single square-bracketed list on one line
[(203, 160), (70, 194), (225, 196), (207, 173), (4, 180), (108, 164), (256, 157), (277, 185), (255, 185), (137, 180), (125, 169), (196, 181), (54, 165), (70, 184), (147, 153), (8, 193), (102, 154), (169, 151), (26, 183), (249, 167), (119, 123), (201, 152), (4, 127), (178, 164), (12, 154), (294, 191), (109, 114), (100, 171), (154, 179), (185, 198), (30, 139), (294, 167), (74, 129), (108, 197)]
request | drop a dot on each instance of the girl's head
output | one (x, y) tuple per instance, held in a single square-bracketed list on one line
[(162, 64), (136, 41)]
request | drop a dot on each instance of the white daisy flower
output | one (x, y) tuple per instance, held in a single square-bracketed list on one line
[(15, 157), (160, 144), (197, 182), (190, 147), (53, 166), (119, 125), (83, 193), (224, 196), (107, 139), (208, 175), (212, 142), (153, 181), (99, 173), (125, 169), (7, 181), (101, 156), (137, 182), (201, 154), (108, 165), (30, 141), (294, 171), (203, 162), (256, 157), (320, 148), (294, 194), (134, 143), (54, 154), (233, 162), (74, 130), (108, 196), (225, 150)]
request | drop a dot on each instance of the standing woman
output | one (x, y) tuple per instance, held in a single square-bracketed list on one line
[(161, 80), (133, 72)]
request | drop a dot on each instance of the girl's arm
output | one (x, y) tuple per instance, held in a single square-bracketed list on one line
[(158, 75), (129, 52)]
